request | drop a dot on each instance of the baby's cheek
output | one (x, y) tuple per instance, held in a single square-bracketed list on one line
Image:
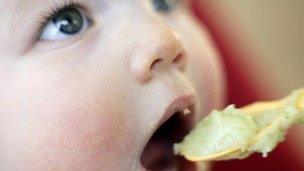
[(77, 138), (63, 131), (208, 80), (92, 137), (204, 68), (63, 120)]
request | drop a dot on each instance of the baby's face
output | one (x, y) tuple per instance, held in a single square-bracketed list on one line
[(84, 84)]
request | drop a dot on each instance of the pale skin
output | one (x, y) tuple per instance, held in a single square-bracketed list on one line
[(91, 101)]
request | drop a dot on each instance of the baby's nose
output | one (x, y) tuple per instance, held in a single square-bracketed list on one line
[(158, 49)]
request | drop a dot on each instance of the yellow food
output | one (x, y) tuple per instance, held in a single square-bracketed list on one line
[(237, 133)]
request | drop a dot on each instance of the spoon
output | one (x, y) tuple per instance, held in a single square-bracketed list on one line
[(237, 133)]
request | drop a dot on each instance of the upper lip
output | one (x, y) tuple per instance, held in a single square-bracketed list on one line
[(182, 102)]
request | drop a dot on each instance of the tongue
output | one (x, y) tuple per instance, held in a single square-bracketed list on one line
[(158, 156)]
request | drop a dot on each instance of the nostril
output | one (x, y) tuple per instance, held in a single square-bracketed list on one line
[(155, 62), (178, 58), (180, 61)]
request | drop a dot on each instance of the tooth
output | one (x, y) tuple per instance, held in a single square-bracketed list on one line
[(186, 111)]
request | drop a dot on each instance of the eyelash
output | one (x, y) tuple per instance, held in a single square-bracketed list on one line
[(55, 9)]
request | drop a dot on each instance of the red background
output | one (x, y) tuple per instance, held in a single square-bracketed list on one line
[(242, 90)]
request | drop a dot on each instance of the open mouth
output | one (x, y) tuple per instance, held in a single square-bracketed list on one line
[(158, 153)]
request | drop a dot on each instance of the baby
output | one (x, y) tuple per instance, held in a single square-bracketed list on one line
[(102, 84)]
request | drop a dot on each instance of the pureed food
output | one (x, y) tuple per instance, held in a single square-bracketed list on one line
[(237, 133)]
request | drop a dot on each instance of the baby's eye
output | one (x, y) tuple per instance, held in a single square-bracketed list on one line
[(164, 5), (66, 23)]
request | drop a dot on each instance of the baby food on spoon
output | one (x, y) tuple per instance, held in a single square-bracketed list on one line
[(236, 133)]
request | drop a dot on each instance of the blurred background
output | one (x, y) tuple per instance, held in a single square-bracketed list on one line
[(276, 29), (262, 45)]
